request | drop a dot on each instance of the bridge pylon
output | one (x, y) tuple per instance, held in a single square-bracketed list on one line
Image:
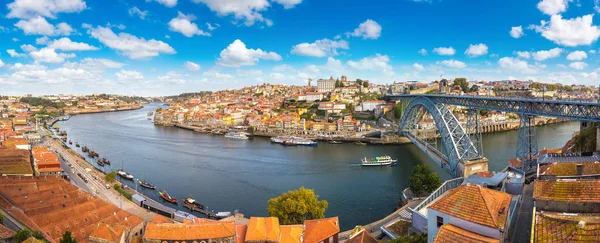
[(527, 149)]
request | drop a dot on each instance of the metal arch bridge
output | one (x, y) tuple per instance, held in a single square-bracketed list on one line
[(457, 143)]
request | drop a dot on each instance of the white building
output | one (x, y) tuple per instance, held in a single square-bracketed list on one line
[(325, 85), (313, 96), (331, 107), (371, 105)]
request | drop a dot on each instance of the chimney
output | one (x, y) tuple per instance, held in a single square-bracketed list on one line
[(579, 169)]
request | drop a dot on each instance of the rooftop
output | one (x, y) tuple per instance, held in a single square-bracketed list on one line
[(6, 233), (476, 204), (318, 230), (263, 229), (556, 227), (178, 232), (290, 234), (15, 162), (570, 168), (567, 190), (360, 235), (450, 234)]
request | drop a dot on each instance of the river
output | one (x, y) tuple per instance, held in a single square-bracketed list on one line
[(226, 174)]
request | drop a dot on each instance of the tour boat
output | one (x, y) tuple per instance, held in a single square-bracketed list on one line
[(192, 203), (334, 142), (304, 142), (124, 174), (379, 161), (146, 184), (288, 143), (361, 143), (235, 135), (280, 140), (165, 196)]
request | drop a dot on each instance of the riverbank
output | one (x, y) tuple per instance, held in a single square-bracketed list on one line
[(127, 108)]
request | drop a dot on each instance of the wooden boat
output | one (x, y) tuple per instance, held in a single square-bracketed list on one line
[(165, 196), (146, 184), (106, 161), (192, 204), (360, 143), (77, 145), (100, 163), (70, 142)]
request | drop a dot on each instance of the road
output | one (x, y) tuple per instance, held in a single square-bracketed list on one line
[(521, 232), (72, 164)]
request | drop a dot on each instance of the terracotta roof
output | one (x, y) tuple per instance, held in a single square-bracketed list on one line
[(567, 190), (318, 230), (476, 204), (6, 233), (240, 233), (209, 230), (263, 229), (570, 168), (161, 219), (290, 234), (32, 240), (361, 236), (110, 233), (450, 234), (554, 227)]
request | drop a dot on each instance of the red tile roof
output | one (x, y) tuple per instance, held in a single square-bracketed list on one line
[(567, 190), (290, 234), (178, 232), (318, 230), (555, 227), (6, 233), (476, 204), (451, 234), (263, 229), (362, 236)]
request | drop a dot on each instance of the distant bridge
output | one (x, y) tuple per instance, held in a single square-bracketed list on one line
[(459, 149)]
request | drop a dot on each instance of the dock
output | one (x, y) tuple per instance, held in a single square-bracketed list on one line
[(202, 211)]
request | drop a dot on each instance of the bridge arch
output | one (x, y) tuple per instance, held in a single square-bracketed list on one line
[(457, 144)]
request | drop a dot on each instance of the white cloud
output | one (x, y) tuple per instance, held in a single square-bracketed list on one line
[(121, 26), (246, 10), (516, 32), (212, 27), (418, 67), (320, 48), (569, 32), (28, 48), (1, 63), (25, 9), (15, 39), (95, 64), (444, 51), (138, 12), (37, 74), (172, 78), (288, 3), (66, 44), (524, 54), (423, 52), (14, 53), (476, 50), (236, 55), (578, 65), (514, 64), (373, 63), (249, 73), (125, 75), (42, 40), (453, 63), (367, 30), (168, 3), (49, 55), (552, 7), (546, 54), (592, 51), (39, 26), (130, 45), (577, 56), (184, 25), (191, 66)]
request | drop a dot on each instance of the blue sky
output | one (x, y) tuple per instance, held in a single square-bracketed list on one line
[(160, 47)]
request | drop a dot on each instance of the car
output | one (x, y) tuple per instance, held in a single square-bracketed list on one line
[(107, 186)]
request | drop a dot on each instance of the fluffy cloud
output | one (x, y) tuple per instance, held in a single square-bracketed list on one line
[(66, 44), (374, 63), (191, 66), (288, 3), (569, 32), (1, 63), (125, 75), (136, 11), (541, 55), (130, 45), (42, 40), (95, 64), (320, 48), (236, 55), (168, 3), (514, 64), (418, 67), (49, 55), (367, 30), (39, 74), (28, 48), (552, 7), (524, 54), (246, 10), (25, 9), (39, 26), (184, 25), (444, 51), (516, 32), (578, 65), (577, 56), (423, 52), (476, 50), (453, 63), (14, 53)]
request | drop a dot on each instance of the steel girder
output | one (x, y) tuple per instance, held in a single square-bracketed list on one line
[(527, 149), (457, 143), (574, 110)]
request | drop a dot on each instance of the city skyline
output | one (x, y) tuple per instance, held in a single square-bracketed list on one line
[(163, 47)]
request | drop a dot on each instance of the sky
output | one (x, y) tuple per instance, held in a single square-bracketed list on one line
[(165, 47)]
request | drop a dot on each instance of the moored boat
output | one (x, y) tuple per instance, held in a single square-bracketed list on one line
[(334, 142), (304, 142), (379, 161), (124, 174), (236, 135), (192, 203), (146, 184), (360, 143), (165, 196), (100, 163), (77, 145), (70, 142), (288, 143)]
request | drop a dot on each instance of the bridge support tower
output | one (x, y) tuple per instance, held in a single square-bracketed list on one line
[(527, 149)]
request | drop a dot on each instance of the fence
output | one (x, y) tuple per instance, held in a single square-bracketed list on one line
[(419, 221)]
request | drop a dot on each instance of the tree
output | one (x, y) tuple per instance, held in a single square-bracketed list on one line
[(21, 235), (423, 180), (159, 109), (398, 111), (110, 177), (474, 88), (462, 83), (444, 82), (585, 141), (293, 207), (414, 238), (67, 238), (366, 84)]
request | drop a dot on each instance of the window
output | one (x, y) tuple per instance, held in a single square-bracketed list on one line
[(440, 221)]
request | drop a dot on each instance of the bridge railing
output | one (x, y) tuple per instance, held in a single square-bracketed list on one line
[(419, 220), (587, 101)]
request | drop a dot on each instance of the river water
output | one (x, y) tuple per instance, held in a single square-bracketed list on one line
[(226, 174)]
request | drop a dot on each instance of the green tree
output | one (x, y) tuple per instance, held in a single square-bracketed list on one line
[(21, 235), (38, 235), (159, 109), (444, 82), (366, 84), (398, 111), (423, 180), (585, 141), (462, 83), (474, 88), (414, 238), (67, 238), (110, 177), (293, 207)]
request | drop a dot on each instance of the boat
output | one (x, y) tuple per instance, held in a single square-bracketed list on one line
[(100, 163), (146, 184), (304, 142), (77, 145), (85, 149), (334, 142), (217, 132), (280, 140), (192, 203), (236, 135), (93, 154), (124, 174), (165, 196), (360, 143), (288, 143), (70, 142), (106, 161), (379, 161)]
